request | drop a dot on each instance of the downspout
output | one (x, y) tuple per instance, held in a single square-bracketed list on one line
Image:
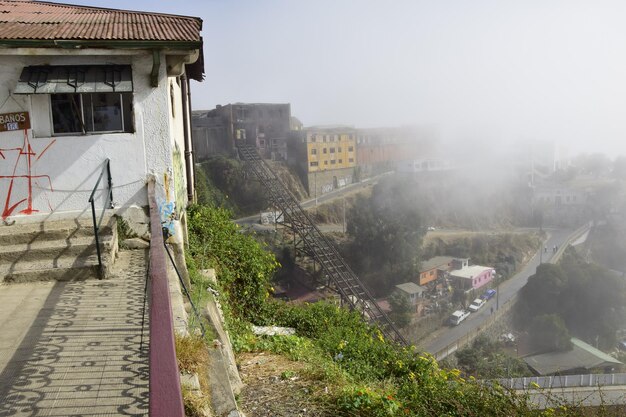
[(186, 98)]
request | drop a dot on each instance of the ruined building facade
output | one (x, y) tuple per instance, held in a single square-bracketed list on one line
[(263, 125)]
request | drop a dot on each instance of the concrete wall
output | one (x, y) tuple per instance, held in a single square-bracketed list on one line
[(63, 169), (320, 183)]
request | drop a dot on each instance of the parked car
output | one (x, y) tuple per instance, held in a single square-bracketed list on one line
[(489, 294), (477, 304), (457, 317)]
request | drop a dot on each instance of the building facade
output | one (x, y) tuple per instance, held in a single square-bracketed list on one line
[(115, 89), (326, 156), (263, 125), (471, 277), (434, 268), (381, 149)]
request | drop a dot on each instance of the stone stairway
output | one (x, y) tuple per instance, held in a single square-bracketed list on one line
[(61, 250)]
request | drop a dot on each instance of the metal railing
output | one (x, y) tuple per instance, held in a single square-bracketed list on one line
[(108, 203), (562, 381), (186, 291), (166, 398)]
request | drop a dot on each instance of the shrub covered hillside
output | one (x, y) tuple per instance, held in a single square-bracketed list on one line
[(361, 373)]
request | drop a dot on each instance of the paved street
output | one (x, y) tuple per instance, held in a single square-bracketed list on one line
[(447, 335), (76, 348)]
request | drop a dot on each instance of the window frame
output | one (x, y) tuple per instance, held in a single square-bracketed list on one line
[(125, 100)]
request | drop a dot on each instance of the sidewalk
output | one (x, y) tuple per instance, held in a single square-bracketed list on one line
[(76, 348)]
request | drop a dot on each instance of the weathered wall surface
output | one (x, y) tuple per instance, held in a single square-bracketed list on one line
[(42, 173), (322, 182)]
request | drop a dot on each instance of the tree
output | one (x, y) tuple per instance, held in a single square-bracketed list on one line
[(400, 310), (386, 237), (587, 299), (548, 333), (592, 301), (541, 295), (230, 186)]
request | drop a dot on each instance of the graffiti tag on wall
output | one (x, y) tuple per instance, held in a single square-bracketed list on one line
[(23, 160)]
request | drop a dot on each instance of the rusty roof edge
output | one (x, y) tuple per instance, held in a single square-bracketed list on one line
[(113, 44), (80, 6)]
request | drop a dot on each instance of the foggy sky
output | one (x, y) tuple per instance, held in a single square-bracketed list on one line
[(500, 70)]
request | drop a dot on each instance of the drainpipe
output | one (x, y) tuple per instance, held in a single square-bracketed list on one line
[(186, 96)]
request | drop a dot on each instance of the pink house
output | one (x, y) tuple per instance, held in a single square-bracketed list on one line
[(471, 277)]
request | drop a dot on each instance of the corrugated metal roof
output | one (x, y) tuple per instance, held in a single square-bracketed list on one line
[(411, 288), (435, 262), (582, 355), (35, 20)]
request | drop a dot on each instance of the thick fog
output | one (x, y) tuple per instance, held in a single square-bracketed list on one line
[(486, 69)]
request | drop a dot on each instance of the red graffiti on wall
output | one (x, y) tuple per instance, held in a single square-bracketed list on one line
[(26, 155)]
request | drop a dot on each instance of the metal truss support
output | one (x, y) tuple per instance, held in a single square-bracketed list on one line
[(309, 240)]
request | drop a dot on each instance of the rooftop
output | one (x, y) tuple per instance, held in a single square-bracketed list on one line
[(581, 356), (37, 20), (470, 271), (435, 262), (410, 288)]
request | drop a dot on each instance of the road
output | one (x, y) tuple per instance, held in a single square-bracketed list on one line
[(506, 291)]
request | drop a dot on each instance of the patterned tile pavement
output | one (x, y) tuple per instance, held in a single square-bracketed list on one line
[(76, 349)]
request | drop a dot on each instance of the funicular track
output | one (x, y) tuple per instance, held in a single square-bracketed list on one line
[(314, 244)]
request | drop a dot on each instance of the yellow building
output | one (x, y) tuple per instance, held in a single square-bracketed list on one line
[(330, 148)]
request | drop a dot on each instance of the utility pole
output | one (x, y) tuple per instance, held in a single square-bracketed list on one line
[(343, 228), (498, 295), (315, 185)]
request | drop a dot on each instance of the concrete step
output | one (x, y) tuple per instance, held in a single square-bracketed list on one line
[(55, 250), (52, 249), (54, 230), (61, 269)]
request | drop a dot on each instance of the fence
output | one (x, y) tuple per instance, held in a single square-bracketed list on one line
[(562, 381), (165, 393)]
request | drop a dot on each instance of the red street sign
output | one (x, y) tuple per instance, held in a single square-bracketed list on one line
[(14, 121)]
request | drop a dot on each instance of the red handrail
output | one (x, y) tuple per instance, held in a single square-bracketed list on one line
[(166, 399)]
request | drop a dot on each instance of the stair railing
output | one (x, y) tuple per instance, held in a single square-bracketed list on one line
[(108, 203)]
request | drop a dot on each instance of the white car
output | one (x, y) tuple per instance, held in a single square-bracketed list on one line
[(476, 304), (458, 316)]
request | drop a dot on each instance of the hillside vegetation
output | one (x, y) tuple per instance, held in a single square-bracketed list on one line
[(226, 182), (574, 297), (352, 369)]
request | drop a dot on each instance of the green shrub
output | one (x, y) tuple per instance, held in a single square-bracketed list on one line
[(243, 267)]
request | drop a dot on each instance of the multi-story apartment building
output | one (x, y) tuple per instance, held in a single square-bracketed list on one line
[(326, 157), (263, 125), (381, 149)]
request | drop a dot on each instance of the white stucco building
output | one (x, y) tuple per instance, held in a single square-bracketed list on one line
[(95, 84)]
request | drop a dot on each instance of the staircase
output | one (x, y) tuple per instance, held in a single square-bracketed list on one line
[(61, 250), (314, 244)]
